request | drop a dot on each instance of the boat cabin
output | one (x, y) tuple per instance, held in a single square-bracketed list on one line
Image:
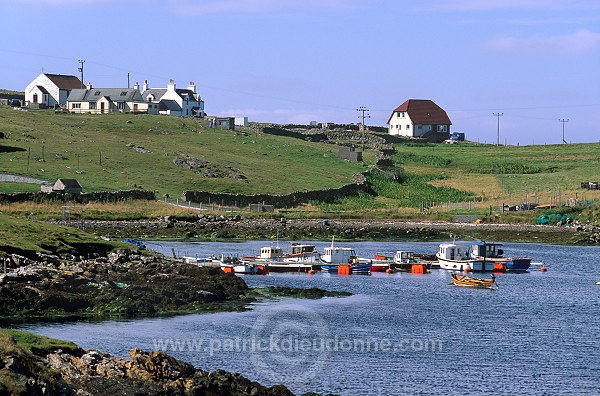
[(450, 251), (339, 255), (404, 257), (299, 250), (269, 253), (487, 250)]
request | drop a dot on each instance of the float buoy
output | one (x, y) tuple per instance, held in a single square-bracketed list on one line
[(311, 272), (389, 271), (543, 269), (467, 269)]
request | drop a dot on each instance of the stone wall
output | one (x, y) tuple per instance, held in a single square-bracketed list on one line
[(279, 201), (112, 196)]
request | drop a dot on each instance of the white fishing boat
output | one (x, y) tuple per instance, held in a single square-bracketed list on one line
[(335, 256), (456, 257)]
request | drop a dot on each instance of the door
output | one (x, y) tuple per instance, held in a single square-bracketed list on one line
[(35, 98), (101, 107)]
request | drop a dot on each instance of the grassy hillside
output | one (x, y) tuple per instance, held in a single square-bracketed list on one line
[(123, 151), (26, 237), (469, 178)]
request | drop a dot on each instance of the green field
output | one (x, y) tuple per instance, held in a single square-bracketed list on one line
[(124, 151)]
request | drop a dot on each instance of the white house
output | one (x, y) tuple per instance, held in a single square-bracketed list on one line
[(418, 117), (173, 101), (51, 89), (109, 100)]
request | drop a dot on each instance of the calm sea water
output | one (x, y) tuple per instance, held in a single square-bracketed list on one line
[(398, 334)]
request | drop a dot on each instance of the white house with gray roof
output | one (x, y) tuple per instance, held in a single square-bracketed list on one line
[(109, 100), (173, 101)]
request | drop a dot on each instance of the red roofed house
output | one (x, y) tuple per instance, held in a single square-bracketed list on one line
[(50, 89), (417, 117)]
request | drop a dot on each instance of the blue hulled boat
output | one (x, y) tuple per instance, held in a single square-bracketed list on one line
[(493, 252), (333, 257)]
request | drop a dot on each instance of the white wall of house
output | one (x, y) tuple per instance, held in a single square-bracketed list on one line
[(104, 106), (45, 82), (401, 124), (240, 121)]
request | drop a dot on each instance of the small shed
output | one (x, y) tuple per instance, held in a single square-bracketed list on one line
[(349, 154), (70, 186)]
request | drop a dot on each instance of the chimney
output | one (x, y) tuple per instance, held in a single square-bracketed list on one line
[(171, 86), (192, 87), (89, 85), (136, 86), (145, 86)]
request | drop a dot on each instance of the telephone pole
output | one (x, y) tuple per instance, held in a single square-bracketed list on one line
[(563, 120), (363, 110), (81, 62), (498, 132)]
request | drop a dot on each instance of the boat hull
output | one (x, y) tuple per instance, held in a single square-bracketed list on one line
[(467, 281), (357, 269), (466, 265)]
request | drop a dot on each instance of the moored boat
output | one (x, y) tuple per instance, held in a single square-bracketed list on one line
[(335, 256), (493, 253), (469, 281), (454, 257), (302, 258)]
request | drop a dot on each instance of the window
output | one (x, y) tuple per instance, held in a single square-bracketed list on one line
[(76, 105), (407, 126), (97, 93), (442, 128), (92, 105), (124, 93), (121, 105)]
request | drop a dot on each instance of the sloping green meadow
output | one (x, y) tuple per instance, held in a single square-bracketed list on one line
[(124, 151)]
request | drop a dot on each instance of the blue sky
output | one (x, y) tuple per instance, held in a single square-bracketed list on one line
[(294, 61)]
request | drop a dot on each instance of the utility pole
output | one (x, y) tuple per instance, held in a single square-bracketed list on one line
[(363, 110), (498, 132), (562, 120), (81, 62)]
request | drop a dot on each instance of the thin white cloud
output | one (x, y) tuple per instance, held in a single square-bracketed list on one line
[(190, 7), (493, 5), (580, 42)]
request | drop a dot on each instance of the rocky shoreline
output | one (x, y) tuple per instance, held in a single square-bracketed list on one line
[(36, 365), (237, 227), (129, 284)]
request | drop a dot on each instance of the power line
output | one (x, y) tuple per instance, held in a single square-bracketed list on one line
[(81, 62), (363, 110), (563, 120), (498, 132)]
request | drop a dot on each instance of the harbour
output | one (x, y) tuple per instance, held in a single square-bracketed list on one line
[(534, 335)]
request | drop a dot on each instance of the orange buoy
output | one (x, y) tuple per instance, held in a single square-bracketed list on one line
[(467, 269), (543, 269), (312, 272), (389, 271)]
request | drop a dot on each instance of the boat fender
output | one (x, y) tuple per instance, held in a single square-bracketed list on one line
[(467, 269), (311, 272), (389, 271)]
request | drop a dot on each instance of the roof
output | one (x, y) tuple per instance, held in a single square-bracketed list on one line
[(69, 183), (157, 93), (169, 104), (423, 111), (113, 94), (42, 89), (64, 82)]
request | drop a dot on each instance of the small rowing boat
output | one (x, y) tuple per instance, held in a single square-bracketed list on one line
[(468, 281)]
